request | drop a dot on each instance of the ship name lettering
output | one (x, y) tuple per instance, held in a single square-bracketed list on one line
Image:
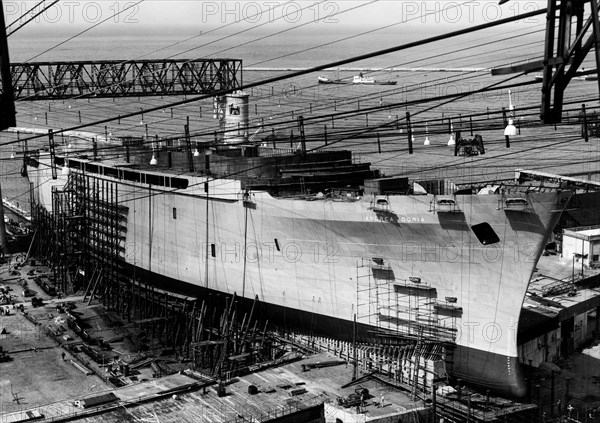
[(402, 219), (409, 219)]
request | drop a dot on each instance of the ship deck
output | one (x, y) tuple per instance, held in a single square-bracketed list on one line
[(546, 149)]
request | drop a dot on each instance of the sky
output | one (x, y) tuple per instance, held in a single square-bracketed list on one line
[(194, 16)]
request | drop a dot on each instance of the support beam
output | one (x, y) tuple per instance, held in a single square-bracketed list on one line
[(7, 100), (7, 108), (563, 56), (130, 78)]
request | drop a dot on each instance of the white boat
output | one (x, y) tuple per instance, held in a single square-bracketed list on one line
[(361, 79), (325, 80)]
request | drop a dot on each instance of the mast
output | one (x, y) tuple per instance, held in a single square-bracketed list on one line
[(7, 108), (7, 96)]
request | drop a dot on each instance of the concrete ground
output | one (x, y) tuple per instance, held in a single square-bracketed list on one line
[(38, 376), (36, 373), (41, 367)]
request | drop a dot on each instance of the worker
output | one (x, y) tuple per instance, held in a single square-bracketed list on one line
[(381, 402), (63, 355)]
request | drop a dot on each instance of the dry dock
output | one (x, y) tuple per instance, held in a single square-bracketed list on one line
[(54, 370), (285, 393)]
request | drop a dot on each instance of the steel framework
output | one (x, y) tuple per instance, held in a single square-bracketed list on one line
[(569, 39), (131, 78), (7, 100), (563, 56)]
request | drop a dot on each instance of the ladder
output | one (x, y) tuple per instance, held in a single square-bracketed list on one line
[(416, 413), (417, 361)]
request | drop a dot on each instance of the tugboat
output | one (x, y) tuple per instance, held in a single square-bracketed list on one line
[(364, 80)]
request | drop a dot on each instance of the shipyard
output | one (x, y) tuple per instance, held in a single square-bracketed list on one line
[(205, 219)]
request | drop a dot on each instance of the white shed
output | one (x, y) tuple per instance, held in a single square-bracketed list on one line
[(582, 245)]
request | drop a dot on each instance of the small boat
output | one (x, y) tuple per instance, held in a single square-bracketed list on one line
[(325, 80), (361, 79)]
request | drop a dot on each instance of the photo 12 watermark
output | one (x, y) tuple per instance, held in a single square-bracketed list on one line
[(74, 12), (471, 12), (259, 12), (253, 252)]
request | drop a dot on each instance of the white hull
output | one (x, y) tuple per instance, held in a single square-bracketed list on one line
[(317, 256)]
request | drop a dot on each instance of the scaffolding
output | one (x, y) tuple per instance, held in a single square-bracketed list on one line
[(83, 238), (54, 238), (227, 346), (409, 312), (405, 307), (101, 239)]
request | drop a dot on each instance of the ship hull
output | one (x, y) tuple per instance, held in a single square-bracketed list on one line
[(332, 81), (374, 82), (498, 373), (450, 269)]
